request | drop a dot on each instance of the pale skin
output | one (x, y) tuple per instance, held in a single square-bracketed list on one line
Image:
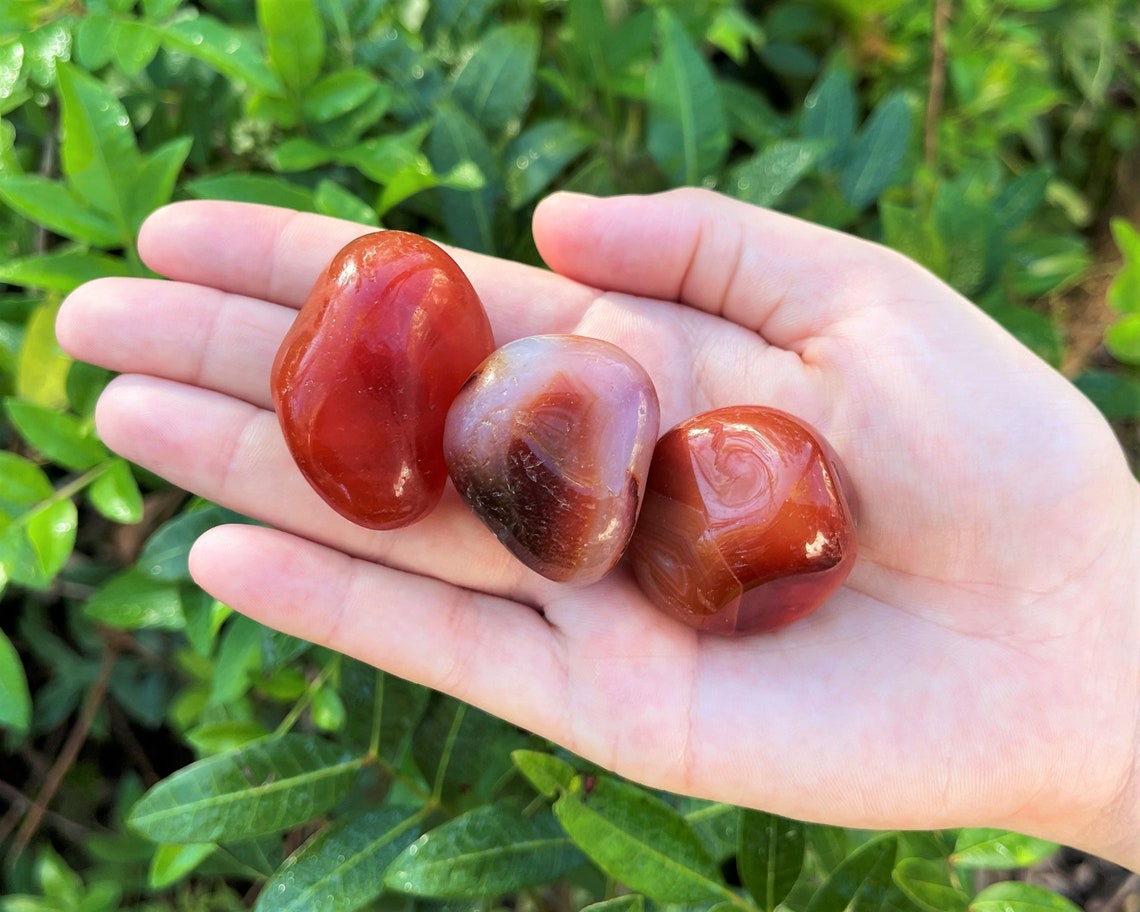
[(980, 667)]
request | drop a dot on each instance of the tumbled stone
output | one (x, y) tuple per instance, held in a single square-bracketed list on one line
[(549, 443), (363, 379), (746, 525)]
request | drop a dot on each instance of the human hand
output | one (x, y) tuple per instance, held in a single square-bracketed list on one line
[(979, 667)]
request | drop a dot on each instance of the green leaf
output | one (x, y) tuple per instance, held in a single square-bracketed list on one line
[(829, 115), (878, 152), (51, 534), (862, 880), (115, 494), (15, 701), (998, 850), (93, 42), (61, 437), (489, 851), (53, 205), (639, 840), (11, 64), (61, 271), (294, 40), (300, 154), (327, 710), (1116, 395), (539, 154), (750, 115), (238, 659), (223, 48), (41, 373), (22, 483), (469, 216), (926, 883), (906, 231), (1021, 198), (172, 863), (346, 859), (219, 737), (339, 93), (332, 199), (496, 83), (687, 129), (132, 601), (264, 787), (631, 902), (1124, 293), (134, 45), (769, 176), (382, 158), (770, 857), (99, 154), (157, 177), (547, 773), (1018, 896), (166, 554), (252, 188)]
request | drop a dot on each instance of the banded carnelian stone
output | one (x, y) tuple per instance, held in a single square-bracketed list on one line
[(549, 444)]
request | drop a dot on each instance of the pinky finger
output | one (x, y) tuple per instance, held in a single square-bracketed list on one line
[(488, 651)]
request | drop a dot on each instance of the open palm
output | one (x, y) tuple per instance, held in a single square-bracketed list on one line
[(983, 634)]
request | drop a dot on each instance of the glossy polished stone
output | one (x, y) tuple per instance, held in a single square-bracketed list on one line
[(549, 444), (364, 377), (745, 525)]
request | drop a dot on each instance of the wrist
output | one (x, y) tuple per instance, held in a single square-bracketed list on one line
[(1122, 844)]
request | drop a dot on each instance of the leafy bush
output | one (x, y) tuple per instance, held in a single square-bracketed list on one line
[(984, 145)]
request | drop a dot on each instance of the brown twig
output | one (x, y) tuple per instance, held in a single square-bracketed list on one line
[(67, 755), (72, 830), (937, 90)]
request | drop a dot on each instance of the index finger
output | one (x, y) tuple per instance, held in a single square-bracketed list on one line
[(276, 255)]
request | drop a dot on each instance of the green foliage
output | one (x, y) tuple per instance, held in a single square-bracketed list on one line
[(305, 775)]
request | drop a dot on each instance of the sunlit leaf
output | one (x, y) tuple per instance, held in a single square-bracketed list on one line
[(294, 40), (172, 863), (223, 48), (53, 205), (99, 154), (1018, 896), (547, 773), (115, 494), (998, 849)]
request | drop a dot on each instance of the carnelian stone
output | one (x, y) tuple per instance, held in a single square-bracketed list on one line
[(746, 525), (549, 444), (365, 375)]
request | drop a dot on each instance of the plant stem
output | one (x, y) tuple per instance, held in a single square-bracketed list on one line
[(67, 755), (937, 91), (307, 697), (445, 755)]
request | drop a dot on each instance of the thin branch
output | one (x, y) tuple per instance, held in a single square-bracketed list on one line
[(937, 92), (67, 755)]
